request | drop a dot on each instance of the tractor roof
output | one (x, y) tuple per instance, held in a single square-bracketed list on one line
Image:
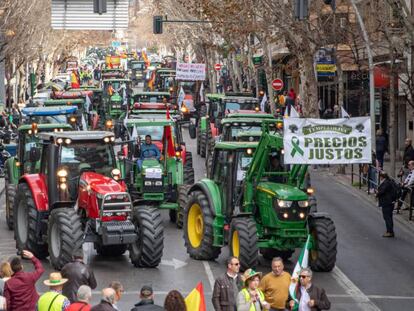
[(58, 102), (256, 115), (141, 114), (140, 93), (235, 145), (161, 70), (239, 94), (48, 126), (77, 135), (215, 95), (149, 122), (91, 88), (245, 121), (116, 80), (241, 99), (49, 111)]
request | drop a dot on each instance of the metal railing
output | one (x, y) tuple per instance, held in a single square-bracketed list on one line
[(370, 179)]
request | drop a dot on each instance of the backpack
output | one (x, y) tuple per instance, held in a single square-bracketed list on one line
[(396, 190)]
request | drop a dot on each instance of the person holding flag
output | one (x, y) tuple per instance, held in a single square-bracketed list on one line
[(310, 297)]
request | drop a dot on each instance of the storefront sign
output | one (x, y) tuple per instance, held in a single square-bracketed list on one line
[(190, 72), (332, 141)]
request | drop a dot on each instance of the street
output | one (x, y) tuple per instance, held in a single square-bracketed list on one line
[(372, 273)]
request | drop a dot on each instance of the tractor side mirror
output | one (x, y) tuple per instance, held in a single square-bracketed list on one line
[(34, 154), (192, 131)]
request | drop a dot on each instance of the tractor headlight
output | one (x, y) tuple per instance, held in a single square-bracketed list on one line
[(107, 139), (116, 174), (148, 183), (62, 173), (184, 109), (68, 141), (72, 119), (310, 190), (63, 186), (249, 151), (109, 124), (158, 183), (302, 215), (303, 203), (284, 204)]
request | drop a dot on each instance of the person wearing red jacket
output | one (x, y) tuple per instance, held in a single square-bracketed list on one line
[(20, 290)]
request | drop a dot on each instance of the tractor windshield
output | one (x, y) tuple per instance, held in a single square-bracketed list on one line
[(236, 131), (243, 161), (95, 156), (156, 132), (240, 106), (31, 141), (150, 98), (59, 119), (137, 65)]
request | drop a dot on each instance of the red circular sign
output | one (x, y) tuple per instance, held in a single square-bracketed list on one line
[(217, 67), (277, 84)]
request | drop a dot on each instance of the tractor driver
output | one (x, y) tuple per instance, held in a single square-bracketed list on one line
[(275, 167), (148, 151)]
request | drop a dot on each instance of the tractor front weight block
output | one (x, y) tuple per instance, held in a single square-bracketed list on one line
[(118, 232)]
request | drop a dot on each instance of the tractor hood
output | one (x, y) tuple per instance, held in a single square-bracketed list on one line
[(152, 168), (282, 191), (116, 97), (100, 183)]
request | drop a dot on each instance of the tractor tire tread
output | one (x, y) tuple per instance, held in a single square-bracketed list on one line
[(326, 244)]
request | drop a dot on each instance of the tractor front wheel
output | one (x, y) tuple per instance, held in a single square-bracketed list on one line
[(243, 242), (10, 197), (188, 177), (198, 228), (322, 256), (188, 159), (65, 235), (25, 220), (147, 250), (203, 145)]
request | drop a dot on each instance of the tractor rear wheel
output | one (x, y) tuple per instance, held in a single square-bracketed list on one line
[(203, 144), (188, 159), (111, 250), (198, 228), (65, 235), (323, 255), (25, 220), (198, 138), (188, 177), (270, 253), (10, 197), (147, 250), (243, 242), (182, 203)]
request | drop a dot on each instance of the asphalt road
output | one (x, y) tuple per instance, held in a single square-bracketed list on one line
[(372, 273)]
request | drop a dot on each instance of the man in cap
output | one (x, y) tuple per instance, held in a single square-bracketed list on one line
[(147, 300), (53, 300), (77, 273)]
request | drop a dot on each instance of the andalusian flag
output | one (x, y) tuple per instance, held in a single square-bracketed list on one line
[(302, 263), (195, 299)]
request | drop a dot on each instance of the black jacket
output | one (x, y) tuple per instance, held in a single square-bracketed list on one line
[(318, 294), (103, 306), (408, 155), (146, 305), (384, 193), (77, 274)]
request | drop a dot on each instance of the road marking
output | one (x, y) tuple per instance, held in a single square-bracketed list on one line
[(177, 264), (209, 273), (352, 290)]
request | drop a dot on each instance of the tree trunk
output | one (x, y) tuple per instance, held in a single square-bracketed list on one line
[(267, 60), (308, 86), (392, 115)]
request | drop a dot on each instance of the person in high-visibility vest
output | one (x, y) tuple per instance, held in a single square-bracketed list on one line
[(251, 298), (74, 80), (53, 300)]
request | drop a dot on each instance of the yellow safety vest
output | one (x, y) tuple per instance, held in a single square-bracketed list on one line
[(48, 302), (247, 297)]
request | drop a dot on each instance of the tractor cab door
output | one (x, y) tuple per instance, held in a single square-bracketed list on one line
[(223, 171)]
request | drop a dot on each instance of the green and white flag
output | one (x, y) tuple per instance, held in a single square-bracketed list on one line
[(302, 263)]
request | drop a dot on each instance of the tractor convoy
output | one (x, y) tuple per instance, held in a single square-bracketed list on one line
[(98, 165)]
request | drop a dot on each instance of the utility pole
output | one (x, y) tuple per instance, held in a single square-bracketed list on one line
[(2, 74), (371, 72)]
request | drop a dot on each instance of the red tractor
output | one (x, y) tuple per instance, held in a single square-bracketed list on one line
[(78, 196)]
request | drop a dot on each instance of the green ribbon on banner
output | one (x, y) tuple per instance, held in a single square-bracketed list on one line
[(296, 147)]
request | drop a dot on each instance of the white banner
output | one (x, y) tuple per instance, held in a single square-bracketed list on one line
[(331, 141), (190, 72)]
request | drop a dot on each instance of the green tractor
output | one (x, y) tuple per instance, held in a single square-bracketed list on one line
[(136, 71), (17, 166), (251, 202), (158, 182), (113, 97)]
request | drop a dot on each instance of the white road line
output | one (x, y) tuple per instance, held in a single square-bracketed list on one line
[(209, 273), (353, 290), (390, 297)]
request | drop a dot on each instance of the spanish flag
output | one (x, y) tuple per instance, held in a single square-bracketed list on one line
[(195, 299)]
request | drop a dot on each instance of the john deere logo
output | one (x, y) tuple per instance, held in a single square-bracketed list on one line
[(343, 129)]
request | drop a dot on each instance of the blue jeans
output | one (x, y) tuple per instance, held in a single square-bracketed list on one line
[(372, 178)]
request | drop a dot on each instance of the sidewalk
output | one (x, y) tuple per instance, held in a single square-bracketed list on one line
[(346, 180)]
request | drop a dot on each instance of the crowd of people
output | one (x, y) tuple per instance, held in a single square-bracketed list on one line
[(252, 292), (71, 289)]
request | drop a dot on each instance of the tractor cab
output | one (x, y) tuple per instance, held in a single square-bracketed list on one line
[(254, 203), (115, 96), (235, 127), (137, 69), (113, 73), (51, 115), (78, 196), (164, 79), (151, 97)]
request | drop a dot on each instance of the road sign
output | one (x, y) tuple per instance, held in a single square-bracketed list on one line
[(217, 67), (277, 84)]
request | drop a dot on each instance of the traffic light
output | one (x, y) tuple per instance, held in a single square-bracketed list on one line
[(99, 6), (301, 9), (157, 24), (331, 3)]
